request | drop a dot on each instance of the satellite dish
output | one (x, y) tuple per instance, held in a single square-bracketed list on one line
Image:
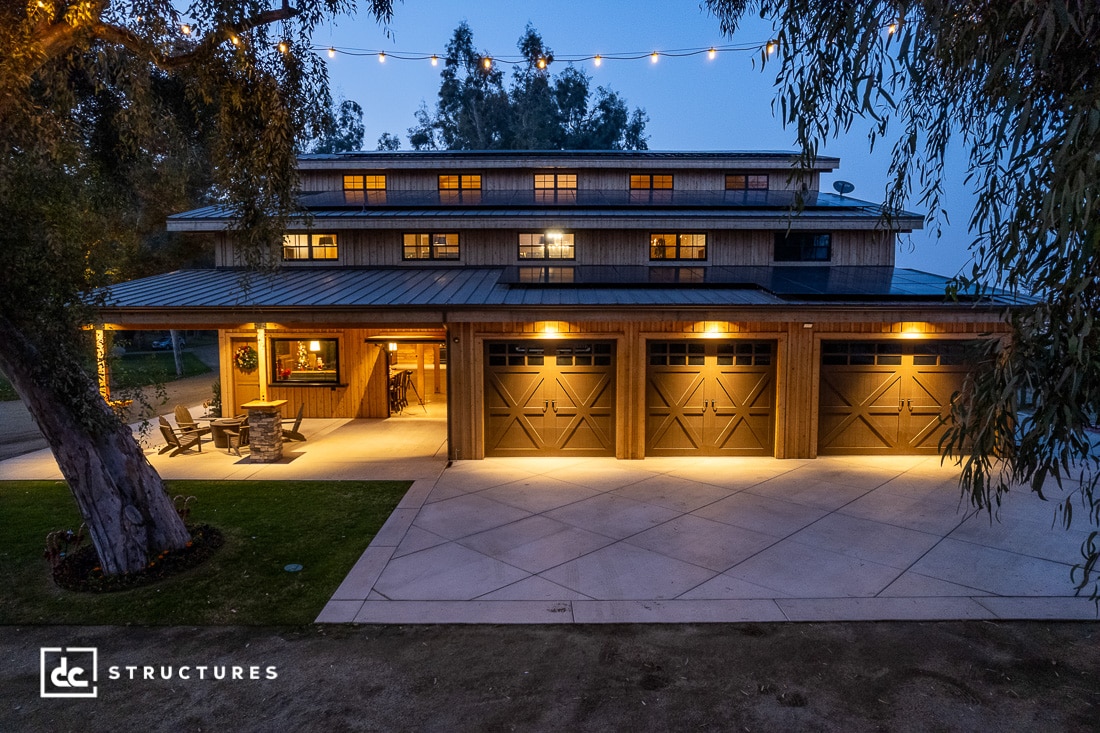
[(843, 187)]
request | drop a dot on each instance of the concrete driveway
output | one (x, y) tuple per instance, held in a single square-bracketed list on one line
[(690, 540)]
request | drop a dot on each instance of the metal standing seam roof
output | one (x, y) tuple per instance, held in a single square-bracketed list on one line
[(474, 287)]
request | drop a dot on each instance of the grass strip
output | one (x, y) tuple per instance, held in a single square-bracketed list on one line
[(324, 526)]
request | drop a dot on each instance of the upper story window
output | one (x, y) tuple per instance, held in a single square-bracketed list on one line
[(431, 246), (677, 246), (650, 182), (556, 187), (803, 247), (746, 181), (546, 246), (360, 188), (358, 182), (464, 188), (309, 247)]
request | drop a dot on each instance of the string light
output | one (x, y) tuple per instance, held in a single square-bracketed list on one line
[(235, 39), (185, 29), (283, 47), (486, 62), (892, 28)]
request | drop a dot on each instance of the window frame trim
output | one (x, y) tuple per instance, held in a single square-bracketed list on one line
[(678, 257)]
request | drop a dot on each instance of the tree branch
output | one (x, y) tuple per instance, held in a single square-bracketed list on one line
[(62, 36)]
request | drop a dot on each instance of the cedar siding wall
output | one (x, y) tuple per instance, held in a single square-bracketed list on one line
[(363, 391), (521, 180), (499, 247)]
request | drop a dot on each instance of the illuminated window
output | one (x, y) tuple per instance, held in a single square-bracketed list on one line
[(309, 247), (747, 182), (460, 183), (650, 182), (560, 188), (802, 247), (546, 246), (365, 183), (677, 246), (431, 246), (305, 361)]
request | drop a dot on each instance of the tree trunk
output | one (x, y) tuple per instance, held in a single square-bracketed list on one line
[(122, 499), (177, 353)]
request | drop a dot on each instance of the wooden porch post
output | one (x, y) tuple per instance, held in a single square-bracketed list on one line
[(261, 364), (103, 375)]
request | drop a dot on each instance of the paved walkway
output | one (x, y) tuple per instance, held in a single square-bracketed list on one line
[(678, 540), (662, 540)]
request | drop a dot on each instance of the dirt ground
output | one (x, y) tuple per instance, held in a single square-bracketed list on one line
[(972, 676)]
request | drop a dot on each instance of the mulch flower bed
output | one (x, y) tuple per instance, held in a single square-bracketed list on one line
[(80, 571)]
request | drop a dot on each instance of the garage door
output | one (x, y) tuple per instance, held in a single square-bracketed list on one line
[(710, 398), (886, 397), (549, 398)]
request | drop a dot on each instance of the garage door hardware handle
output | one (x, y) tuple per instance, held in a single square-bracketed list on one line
[(901, 405), (705, 403), (545, 405), (554, 404)]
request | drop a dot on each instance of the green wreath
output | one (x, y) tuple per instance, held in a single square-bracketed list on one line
[(246, 359)]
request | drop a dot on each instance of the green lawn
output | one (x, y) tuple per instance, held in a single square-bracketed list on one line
[(322, 525), (142, 370)]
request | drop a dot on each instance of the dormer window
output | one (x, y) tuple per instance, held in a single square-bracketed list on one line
[(360, 188), (746, 181), (463, 188), (309, 247), (363, 182), (803, 247), (556, 188), (650, 182), (551, 245), (678, 246)]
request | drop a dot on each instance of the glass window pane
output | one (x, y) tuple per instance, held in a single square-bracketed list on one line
[(374, 183), (639, 181), (306, 360), (662, 182), (448, 183)]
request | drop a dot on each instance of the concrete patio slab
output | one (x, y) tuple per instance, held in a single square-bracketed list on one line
[(665, 540)]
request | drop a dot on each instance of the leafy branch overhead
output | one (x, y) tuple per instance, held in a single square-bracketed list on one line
[(112, 113), (536, 112), (1017, 85)]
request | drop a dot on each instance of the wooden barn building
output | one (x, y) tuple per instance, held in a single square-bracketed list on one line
[(625, 304)]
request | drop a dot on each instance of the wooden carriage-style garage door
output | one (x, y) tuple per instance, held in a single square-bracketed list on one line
[(549, 398), (886, 397), (714, 398)]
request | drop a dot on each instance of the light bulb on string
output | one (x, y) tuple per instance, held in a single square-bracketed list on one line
[(331, 52), (892, 28), (597, 60), (381, 57), (771, 47), (712, 52), (185, 29), (435, 60), (542, 63), (283, 47), (487, 63), (654, 56)]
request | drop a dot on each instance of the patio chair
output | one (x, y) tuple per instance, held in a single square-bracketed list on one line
[(178, 441), (237, 438), (186, 422), (294, 432)]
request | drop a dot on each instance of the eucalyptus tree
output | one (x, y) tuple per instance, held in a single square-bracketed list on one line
[(536, 111), (1016, 84), (96, 99)]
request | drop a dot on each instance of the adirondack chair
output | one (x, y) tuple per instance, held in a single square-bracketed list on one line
[(237, 438), (178, 441), (186, 422), (293, 433)]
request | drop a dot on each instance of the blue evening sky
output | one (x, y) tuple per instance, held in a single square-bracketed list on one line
[(693, 103)]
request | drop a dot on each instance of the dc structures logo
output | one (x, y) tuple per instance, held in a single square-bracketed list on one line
[(69, 671)]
